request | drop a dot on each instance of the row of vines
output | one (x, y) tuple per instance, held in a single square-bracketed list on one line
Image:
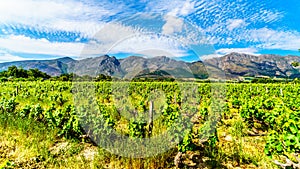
[(124, 117)]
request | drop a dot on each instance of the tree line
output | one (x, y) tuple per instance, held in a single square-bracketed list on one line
[(13, 73)]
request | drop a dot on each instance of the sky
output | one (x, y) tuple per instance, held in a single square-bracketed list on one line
[(183, 29)]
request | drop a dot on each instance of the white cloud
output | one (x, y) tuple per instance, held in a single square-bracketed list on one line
[(235, 23), (116, 38), (146, 44), (263, 35), (113, 32), (112, 38), (273, 39), (173, 24), (86, 29), (214, 18), (226, 22), (210, 56), (187, 8), (6, 57), (173, 21), (37, 11), (261, 38), (84, 19), (23, 44), (224, 51), (266, 16), (174, 7), (51, 16)]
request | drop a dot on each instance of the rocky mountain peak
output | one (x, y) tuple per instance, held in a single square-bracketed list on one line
[(233, 65)]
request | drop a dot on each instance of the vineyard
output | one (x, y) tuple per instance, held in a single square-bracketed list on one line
[(149, 125)]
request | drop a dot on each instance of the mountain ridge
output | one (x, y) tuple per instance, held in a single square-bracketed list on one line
[(230, 66)]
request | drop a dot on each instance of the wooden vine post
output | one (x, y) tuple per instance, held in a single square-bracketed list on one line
[(150, 122), (17, 90), (178, 160)]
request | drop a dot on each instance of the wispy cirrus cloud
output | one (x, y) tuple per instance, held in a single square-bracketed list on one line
[(173, 24), (235, 23), (224, 51), (23, 44), (65, 27), (85, 20), (53, 16), (173, 21), (6, 57), (173, 11), (45, 11), (113, 38), (229, 22), (210, 56), (116, 38), (273, 39), (266, 16)]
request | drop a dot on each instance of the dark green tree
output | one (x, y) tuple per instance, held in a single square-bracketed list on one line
[(102, 77), (295, 64), (35, 73), (12, 71), (15, 72)]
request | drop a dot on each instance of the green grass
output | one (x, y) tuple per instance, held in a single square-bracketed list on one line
[(25, 143)]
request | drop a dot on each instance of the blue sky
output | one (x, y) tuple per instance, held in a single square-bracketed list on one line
[(187, 29)]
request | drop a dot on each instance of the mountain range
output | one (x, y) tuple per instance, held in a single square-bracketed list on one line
[(230, 66)]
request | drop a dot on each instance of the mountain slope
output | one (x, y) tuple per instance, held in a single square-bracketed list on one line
[(231, 66), (138, 67), (52, 67), (236, 64), (97, 65)]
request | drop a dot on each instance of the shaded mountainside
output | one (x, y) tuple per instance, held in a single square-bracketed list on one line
[(236, 64), (98, 65), (233, 66), (52, 67), (158, 66)]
